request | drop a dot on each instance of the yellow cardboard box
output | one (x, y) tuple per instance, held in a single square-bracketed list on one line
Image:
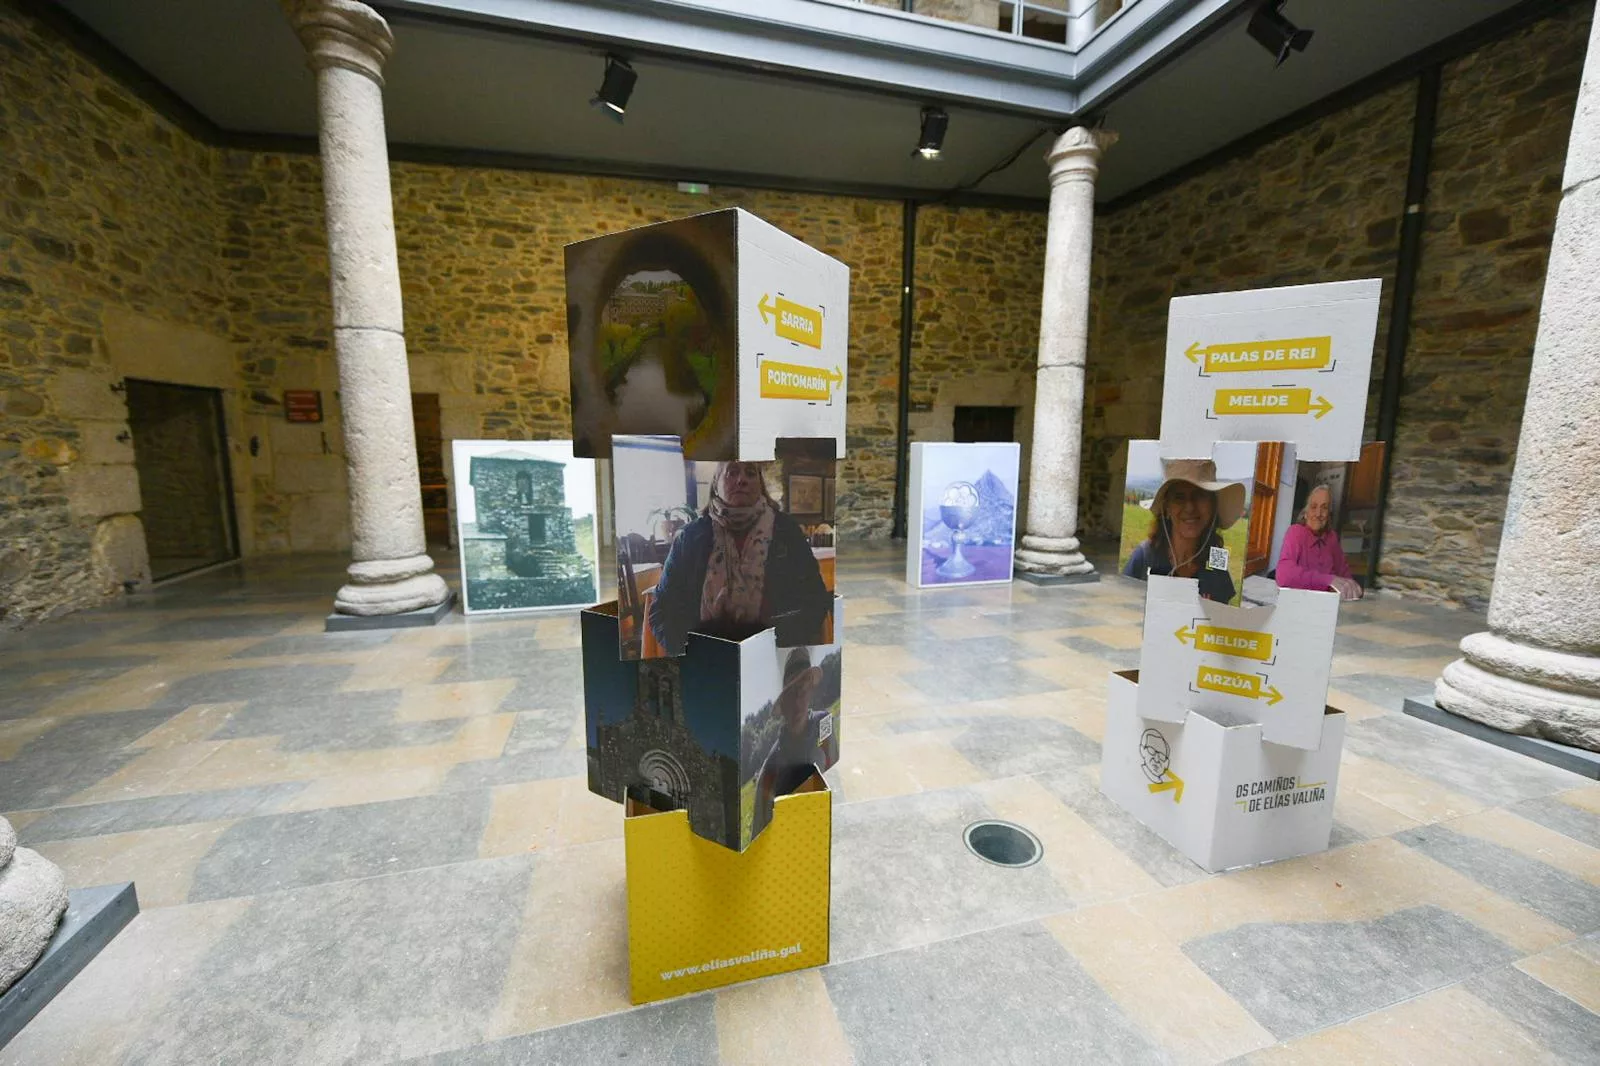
[(701, 916)]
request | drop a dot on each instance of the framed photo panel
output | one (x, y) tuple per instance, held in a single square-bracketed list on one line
[(526, 523), (962, 522)]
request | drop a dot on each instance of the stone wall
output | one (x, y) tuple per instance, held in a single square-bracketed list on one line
[(107, 211), (1324, 203), (975, 341), (130, 249), (1505, 114), (481, 269), (1319, 204)]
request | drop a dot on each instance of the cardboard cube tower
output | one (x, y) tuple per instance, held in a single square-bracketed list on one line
[(1222, 741)]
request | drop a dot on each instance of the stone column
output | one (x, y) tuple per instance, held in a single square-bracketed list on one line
[(1050, 546), (1537, 670), (1081, 22), (390, 572)]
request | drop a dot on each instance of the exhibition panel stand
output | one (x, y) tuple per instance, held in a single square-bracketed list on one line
[(1222, 741)]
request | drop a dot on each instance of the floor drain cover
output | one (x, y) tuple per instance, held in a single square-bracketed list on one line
[(1003, 844)]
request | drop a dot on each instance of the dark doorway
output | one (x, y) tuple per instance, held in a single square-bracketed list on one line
[(179, 450), (975, 424), (426, 424)]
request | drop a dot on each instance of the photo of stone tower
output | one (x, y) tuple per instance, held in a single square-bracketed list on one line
[(523, 546)]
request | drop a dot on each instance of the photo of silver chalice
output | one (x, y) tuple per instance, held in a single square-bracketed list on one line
[(958, 507)]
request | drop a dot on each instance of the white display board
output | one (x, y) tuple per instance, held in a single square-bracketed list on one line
[(794, 331), (961, 520), (1263, 664), (1286, 364), (527, 525), (1212, 788)]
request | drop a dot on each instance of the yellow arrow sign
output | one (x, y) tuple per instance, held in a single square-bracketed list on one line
[(1170, 782), (792, 321), (791, 381), (1270, 402), (1251, 686), (1245, 643), (1299, 353)]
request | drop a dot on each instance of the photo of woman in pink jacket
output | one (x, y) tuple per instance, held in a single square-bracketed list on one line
[(1312, 558)]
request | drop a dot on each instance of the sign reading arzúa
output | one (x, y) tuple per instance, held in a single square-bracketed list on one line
[(1270, 364), (1260, 664)]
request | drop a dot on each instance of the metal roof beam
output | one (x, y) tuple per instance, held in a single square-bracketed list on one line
[(850, 44)]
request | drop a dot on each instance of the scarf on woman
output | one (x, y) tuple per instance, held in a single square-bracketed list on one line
[(740, 537)]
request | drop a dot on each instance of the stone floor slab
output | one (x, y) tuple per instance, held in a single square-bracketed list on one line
[(1557, 895), (1295, 977), (1013, 996), (278, 851), (1569, 1030), (125, 816), (361, 971), (680, 1033), (903, 876)]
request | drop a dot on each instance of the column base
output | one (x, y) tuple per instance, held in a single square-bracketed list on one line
[(1517, 688), (422, 616), (1033, 578), (1049, 557), (1565, 756), (374, 592), (94, 917)]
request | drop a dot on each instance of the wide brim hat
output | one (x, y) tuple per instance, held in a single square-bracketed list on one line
[(1202, 473)]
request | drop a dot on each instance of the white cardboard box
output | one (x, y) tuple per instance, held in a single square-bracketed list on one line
[(1211, 787), (1289, 364), (1261, 664), (718, 328)]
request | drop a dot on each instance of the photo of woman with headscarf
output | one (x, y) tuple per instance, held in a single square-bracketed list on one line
[(739, 567), (1312, 557), (1189, 511)]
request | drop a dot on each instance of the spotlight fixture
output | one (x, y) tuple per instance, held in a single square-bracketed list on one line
[(615, 88), (1276, 33), (931, 143)]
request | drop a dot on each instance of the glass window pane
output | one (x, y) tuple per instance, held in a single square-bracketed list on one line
[(1043, 24)]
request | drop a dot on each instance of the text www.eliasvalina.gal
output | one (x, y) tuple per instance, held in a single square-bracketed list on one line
[(759, 955)]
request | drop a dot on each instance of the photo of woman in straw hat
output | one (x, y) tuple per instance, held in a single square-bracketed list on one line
[(1187, 516)]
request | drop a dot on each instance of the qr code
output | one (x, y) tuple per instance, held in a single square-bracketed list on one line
[(1218, 560), (825, 729)]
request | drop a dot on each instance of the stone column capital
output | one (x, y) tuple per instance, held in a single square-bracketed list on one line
[(342, 33), (1076, 153)]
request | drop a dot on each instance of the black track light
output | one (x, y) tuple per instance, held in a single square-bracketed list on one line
[(931, 142), (1276, 33), (615, 88)]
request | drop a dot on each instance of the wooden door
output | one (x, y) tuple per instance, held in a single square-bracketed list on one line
[(1263, 508), (430, 467)]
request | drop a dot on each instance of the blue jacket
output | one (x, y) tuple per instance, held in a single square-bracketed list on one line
[(795, 593)]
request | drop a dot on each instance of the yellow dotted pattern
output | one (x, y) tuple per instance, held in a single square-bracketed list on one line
[(693, 903)]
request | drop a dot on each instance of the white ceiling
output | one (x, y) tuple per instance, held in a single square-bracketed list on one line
[(237, 62)]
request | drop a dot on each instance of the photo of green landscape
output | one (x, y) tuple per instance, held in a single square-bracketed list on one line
[(657, 347)]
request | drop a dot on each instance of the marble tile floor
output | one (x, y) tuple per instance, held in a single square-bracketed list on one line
[(378, 847)]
